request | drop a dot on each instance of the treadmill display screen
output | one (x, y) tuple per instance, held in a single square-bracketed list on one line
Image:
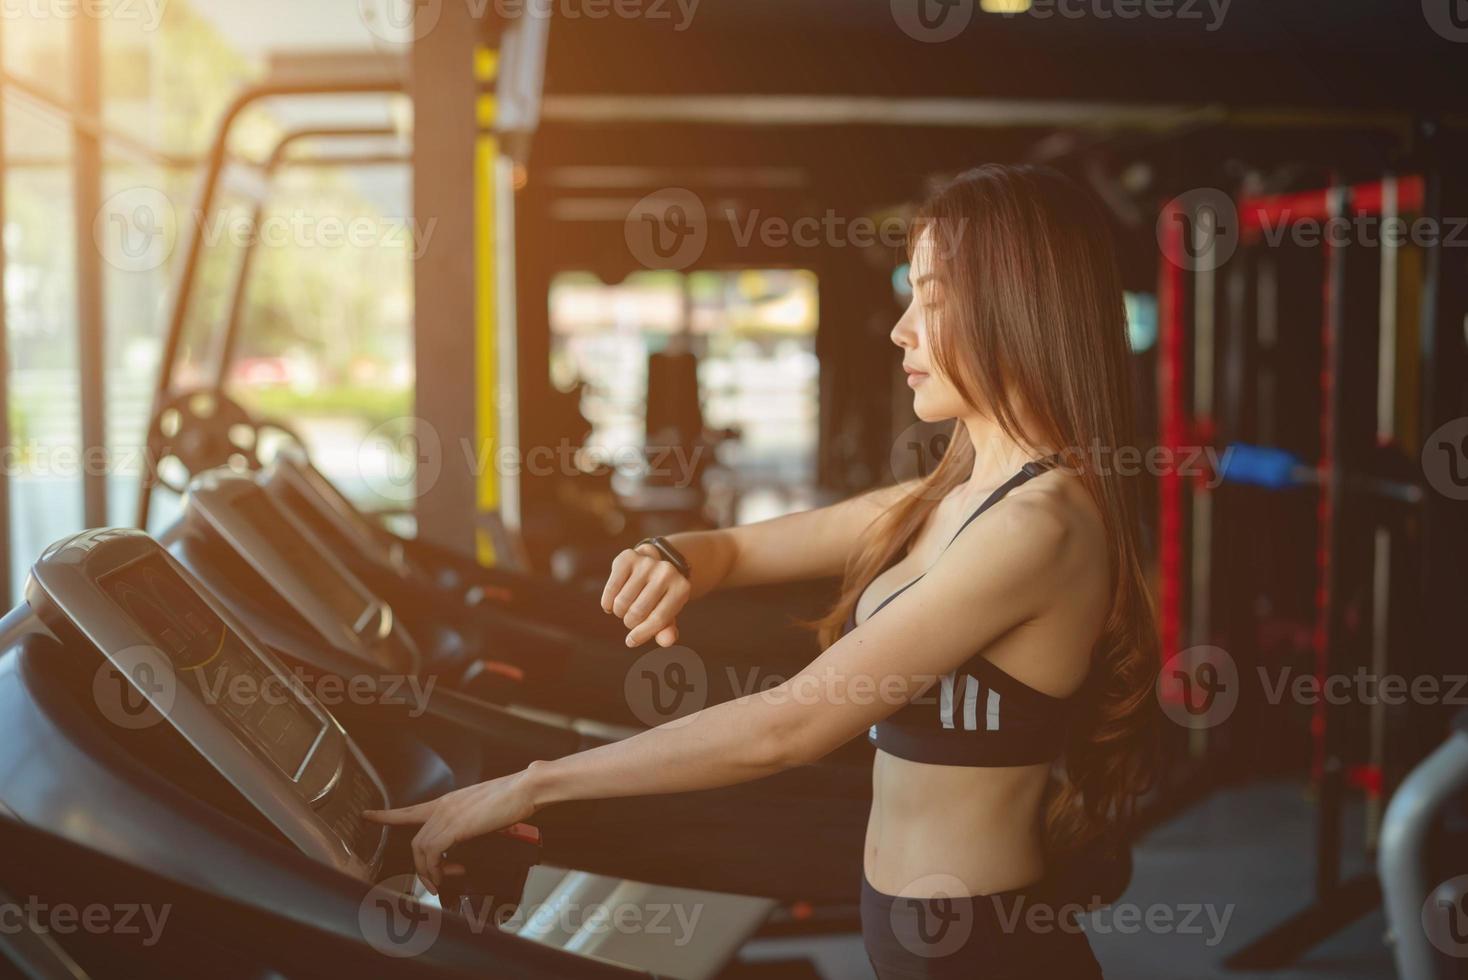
[(212, 659), (338, 503), (336, 590)]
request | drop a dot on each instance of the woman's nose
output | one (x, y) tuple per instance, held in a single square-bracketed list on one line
[(904, 334)]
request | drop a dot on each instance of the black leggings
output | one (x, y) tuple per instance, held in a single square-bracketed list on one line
[(1015, 935)]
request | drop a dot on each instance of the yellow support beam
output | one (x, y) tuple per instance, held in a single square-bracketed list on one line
[(486, 320)]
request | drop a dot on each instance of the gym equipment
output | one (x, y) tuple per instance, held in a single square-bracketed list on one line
[(200, 430), (200, 435), (292, 590), (34, 954), (679, 448), (121, 678), (415, 575), (220, 431), (192, 930), (1279, 469), (1407, 881), (283, 584), (435, 585), (1366, 480), (231, 526), (515, 73), (111, 685)]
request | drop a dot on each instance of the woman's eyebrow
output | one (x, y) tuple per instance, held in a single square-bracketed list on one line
[(923, 280)]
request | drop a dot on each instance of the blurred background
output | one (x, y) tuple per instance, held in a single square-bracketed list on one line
[(635, 274)]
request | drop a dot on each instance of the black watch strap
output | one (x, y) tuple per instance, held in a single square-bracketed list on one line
[(669, 554)]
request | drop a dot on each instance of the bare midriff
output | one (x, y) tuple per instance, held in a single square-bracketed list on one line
[(934, 827)]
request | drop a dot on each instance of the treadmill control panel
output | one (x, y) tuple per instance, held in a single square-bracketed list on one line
[(232, 507), (348, 601), (354, 793), (226, 696), (291, 478), (213, 660)]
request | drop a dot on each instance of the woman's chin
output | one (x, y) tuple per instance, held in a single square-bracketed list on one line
[(926, 411)]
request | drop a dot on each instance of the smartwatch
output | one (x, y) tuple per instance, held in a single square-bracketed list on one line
[(669, 554)]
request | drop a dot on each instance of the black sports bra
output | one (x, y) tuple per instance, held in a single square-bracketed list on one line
[(976, 715)]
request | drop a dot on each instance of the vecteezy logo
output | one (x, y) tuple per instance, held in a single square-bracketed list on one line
[(1206, 226), (1448, 18), (401, 459), (400, 21), (666, 684), (1445, 917), (394, 922), (134, 230), (938, 923), (135, 696), (933, 21), (1199, 687), (919, 449), (1445, 460), (668, 229)]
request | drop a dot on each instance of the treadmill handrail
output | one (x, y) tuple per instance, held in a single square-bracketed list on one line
[(1402, 851), (183, 285)]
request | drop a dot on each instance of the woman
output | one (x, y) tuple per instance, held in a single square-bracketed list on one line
[(993, 636)]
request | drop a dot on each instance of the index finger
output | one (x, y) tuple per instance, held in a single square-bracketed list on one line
[(402, 816)]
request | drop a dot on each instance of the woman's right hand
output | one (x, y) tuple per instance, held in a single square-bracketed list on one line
[(646, 593)]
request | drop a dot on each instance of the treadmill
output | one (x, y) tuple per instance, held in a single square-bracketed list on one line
[(294, 592), (276, 579), (229, 520), (414, 574), (142, 722)]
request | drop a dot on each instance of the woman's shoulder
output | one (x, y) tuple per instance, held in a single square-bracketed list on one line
[(1048, 524)]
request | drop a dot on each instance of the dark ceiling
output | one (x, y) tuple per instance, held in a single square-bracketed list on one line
[(1291, 92), (1335, 53)]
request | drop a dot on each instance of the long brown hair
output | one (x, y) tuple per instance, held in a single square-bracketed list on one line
[(1033, 318)]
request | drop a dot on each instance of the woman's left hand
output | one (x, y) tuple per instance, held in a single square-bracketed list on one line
[(458, 816)]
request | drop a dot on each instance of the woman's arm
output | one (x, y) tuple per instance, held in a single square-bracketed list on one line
[(807, 545), (1000, 574), (646, 594)]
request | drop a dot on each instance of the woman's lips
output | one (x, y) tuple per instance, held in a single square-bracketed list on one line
[(915, 378)]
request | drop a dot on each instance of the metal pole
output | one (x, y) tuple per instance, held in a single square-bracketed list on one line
[(90, 280), (1172, 422), (7, 587), (1266, 314), (507, 322), (1381, 557), (1328, 635), (1200, 572)]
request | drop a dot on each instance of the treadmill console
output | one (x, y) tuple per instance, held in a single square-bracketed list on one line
[(225, 695), (290, 478), (201, 648), (288, 555)]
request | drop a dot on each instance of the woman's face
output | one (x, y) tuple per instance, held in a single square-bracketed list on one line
[(934, 397)]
